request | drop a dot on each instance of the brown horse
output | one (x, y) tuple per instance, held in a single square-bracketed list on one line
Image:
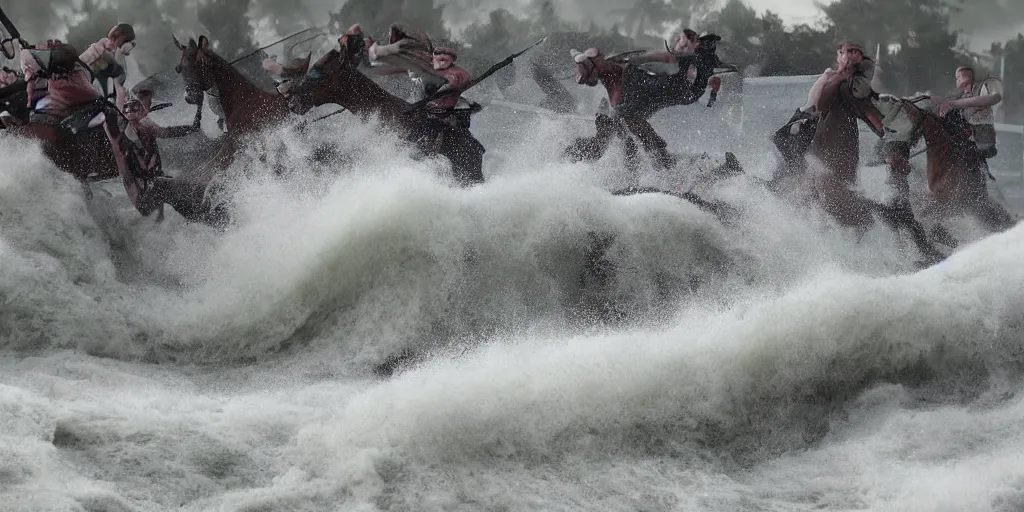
[(836, 146), (335, 79), (247, 108), (956, 172)]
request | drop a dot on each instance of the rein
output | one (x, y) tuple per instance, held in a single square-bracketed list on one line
[(919, 127)]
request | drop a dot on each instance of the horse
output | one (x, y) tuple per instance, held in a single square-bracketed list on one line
[(247, 108), (836, 146), (956, 173), (335, 79), (85, 154)]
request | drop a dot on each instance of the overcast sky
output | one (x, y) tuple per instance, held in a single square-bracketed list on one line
[(792, 11)]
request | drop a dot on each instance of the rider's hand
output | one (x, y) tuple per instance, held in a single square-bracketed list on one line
[(944, 108)]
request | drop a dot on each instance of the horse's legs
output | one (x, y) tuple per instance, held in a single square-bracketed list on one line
[(466, 155), (900, 214), (653, 144), (593, 148), (995, 217)]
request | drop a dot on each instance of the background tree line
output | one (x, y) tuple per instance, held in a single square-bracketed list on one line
[(917, 41)]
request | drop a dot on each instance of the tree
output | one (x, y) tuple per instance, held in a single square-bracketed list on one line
[(642, 15), (919, 29), (376, 16), (227, 25)]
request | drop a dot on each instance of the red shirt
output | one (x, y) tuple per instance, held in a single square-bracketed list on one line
[(458, 79)]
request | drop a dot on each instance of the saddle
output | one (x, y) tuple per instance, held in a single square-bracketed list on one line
[(793, 146), (85, 117)]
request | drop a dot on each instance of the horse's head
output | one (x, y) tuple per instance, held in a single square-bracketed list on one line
[(853, 99), (901, 117), (320, 84), (194, 68), (586, 66)]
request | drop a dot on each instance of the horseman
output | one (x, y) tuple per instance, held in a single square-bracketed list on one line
[(635, 94), (593, 68), (645, 93), (106, 57), (68, 84), (795, 136), (143, 131), (975, 100), (141, 152), (407, 54)]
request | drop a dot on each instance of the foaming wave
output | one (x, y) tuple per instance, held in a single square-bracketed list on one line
[(374, 254), (766, 347), (749, 383)]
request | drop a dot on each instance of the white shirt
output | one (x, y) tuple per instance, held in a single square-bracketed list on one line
[(982, 115)]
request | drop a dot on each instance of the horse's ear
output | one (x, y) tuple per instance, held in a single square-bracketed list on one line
[(204, 43), (177, 43)]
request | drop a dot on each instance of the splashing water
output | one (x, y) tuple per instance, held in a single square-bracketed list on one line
[(773, 363)]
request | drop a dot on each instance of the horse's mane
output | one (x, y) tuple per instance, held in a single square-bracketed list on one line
[(221, 62)]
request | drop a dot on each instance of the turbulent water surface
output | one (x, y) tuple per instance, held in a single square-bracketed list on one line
[(773, 362)]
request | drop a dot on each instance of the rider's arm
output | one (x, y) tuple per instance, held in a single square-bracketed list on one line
[(644, 58), (121, 98), (815, 91), (982, 100), (29, 66), (173, 132)]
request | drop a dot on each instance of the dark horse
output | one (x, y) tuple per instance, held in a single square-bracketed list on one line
[(82, 152), (956, 172), (335, 79), (836, 145)]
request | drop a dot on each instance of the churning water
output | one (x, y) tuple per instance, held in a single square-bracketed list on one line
[(774, 362)]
